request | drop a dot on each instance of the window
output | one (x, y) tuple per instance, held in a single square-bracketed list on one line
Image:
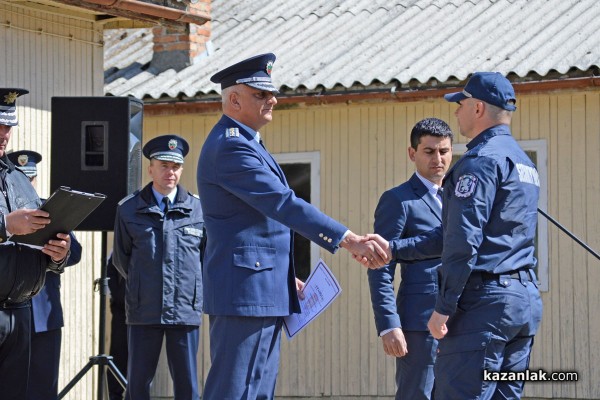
[(302, 173), (537, 152)]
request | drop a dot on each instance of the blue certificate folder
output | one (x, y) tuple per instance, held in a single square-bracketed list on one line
[(67, 209)]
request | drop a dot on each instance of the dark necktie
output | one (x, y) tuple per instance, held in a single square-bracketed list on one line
[(165, 201)]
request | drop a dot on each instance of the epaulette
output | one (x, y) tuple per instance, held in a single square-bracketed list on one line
[(232, 132), (124, 199), (194, 195)]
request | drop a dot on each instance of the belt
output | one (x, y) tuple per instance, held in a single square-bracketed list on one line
[(522, 274), (7, 305)]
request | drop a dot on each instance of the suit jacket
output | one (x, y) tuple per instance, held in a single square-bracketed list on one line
[(46, 309), (405, 211), (249, 212)]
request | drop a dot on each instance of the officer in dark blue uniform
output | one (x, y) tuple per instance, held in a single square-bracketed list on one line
[(46, 308), (158, 249), (22, 268), (407, 210), (250, 212), (489, 307)]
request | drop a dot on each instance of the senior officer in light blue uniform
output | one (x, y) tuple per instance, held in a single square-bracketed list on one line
[(250, 212), (46, 308), (158, 249), (408, 210), (489, 307)]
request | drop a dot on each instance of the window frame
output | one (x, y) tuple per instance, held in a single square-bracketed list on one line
[(313, 158)]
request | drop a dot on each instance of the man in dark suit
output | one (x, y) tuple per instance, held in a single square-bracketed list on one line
[(250, 215), (46, 308), (408, 210)]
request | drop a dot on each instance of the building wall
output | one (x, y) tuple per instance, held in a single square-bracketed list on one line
[(54, 55), (363, 152)]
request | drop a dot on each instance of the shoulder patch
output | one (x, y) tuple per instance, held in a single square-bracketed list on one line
[(124, 199), (232, 132), (465, 186)]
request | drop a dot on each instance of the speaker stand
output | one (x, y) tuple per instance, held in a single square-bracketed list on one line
[(102, 360)]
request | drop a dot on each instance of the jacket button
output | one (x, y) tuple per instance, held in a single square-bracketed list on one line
[(320, 235), (257, 264), (325, 238), (329, 240)]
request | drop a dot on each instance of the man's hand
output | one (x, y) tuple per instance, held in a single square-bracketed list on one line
[(25, 221), (300, 288), (437, 325), (58, 249), (394, 343), (371, 253)]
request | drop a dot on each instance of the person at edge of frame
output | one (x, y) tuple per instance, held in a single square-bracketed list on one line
[(46, 309), (22, 268)]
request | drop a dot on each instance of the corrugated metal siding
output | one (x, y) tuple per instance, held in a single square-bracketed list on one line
[(363, 152), (324, 44), (39, 54)]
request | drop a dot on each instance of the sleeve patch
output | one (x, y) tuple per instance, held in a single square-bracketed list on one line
[(465, 186)]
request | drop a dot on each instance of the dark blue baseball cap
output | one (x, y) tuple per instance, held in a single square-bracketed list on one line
[(254, 72), (25, 160), (8, 105), (491, 87), (166, 148)]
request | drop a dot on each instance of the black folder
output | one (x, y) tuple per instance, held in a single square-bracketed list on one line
[(67, 209)]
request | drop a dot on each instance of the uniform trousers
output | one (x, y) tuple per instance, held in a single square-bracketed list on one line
[(15, 337), (414, 371), (244, 354), (44, 365), (492, 329), (145, 344)]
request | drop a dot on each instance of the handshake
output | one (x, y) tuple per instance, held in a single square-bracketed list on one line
[(370, 250)]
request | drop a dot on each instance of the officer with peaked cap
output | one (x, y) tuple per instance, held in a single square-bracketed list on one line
[(22, 268), (251, 213), (488, 306), (157, 248), (46, 308)]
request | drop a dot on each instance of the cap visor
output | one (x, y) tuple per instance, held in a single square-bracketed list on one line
[(454, 97), (266, 86)]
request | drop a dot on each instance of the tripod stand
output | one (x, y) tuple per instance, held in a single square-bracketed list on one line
[(102, 360)]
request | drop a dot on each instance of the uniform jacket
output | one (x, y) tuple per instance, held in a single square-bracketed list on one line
[(46, 308), (490, 211), (405, 211), (160, 256), (22, 268), (250, 212)]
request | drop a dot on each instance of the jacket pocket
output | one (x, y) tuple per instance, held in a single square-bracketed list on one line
[(253, 276)]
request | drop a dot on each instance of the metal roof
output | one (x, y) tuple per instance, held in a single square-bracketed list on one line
[(358, 44)]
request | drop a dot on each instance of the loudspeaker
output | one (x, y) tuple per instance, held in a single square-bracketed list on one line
[(96, 148)]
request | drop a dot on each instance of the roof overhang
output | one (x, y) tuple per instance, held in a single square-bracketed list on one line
[(120, 13), (390, 94)]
